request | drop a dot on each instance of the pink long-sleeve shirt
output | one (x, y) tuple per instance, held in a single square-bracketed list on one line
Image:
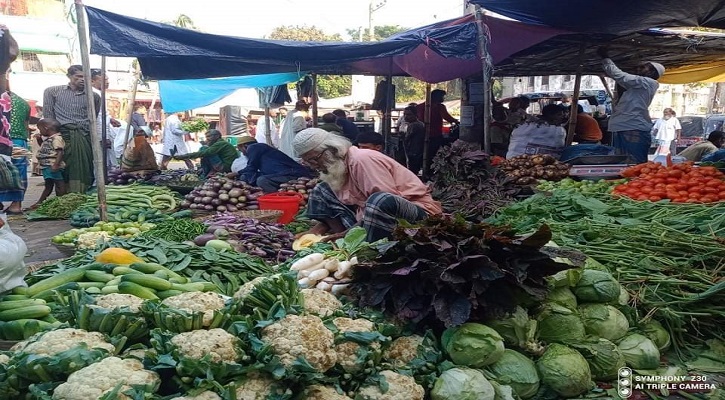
[(371, 171)]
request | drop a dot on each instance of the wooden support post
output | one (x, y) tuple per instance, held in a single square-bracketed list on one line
[(608, 89), (314, 100), (267, 123), (95, 139), (389, 104), (426, 120), (575, 97), (104, 117), (486, 70)]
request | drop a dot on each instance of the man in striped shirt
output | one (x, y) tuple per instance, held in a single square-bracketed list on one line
[(68, 105)]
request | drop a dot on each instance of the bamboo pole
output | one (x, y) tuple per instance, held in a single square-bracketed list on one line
[(131, 104), (486, 71), (267, 123), (575, 96), (104, 125), (95, 140), (426, 120), (314, 100), (608, 89), (389, 103)]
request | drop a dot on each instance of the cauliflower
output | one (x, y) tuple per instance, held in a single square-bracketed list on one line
[(205, 395), (96, 379), (302, 336), (258, 387), (347, 351), (4, 358), (90, 240), (248, 287), (220, 345), (319, 392), (117, 300), (320, 302), (53, 342), (400, 387), (206, 302), (403, 350)]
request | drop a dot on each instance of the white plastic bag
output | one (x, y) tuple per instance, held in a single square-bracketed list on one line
[(12, 254)]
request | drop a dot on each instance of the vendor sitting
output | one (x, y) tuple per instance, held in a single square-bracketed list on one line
[(359, 188), (543, 136), (587, 128), (699, 150), (217, 156), (268, 167)]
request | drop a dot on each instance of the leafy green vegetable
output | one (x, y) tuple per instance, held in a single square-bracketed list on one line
[(518, 371), (657, 334), (604, 357), (597, 287), (454, 271), (562, 296), (472, 344), (604, 321), (564, 370), (559, 324), (462, 384), (639, 352), (518, 330)]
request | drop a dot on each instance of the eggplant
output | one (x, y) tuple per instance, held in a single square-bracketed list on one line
[(202, 239)]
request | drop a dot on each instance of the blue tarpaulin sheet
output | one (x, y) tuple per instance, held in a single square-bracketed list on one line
[(187, 94), (617, 17)]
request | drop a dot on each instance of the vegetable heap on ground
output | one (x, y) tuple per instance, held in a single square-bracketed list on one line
[(302, 186), (223, 194), (61, 207), (465, 182), (529, 169), (680, 183)]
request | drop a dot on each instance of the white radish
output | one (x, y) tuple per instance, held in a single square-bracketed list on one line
[(307, 261), (329, 279), (332, 264), (339, 290), (318, 275), (322, 285), (354, 261), (304, 283), (304, 273), (343, 270)]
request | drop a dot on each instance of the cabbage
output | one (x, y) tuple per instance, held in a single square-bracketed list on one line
[(657, 333), (518, 371), (565, 371), (597, 287), (517, 330), (624, 296), (472, 344), (604, 321), (560, 324), (604, 358), (462, 384), (562, 296), (639, 352)]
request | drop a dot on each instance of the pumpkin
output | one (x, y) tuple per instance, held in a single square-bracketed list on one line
[(116, 255)]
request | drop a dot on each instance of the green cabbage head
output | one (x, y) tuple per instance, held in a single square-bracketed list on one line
[(604, 321), (462, 384), (562, 296), (518, 330), (558, 324), (518, 371), (604, 358), (597, 287), (565, 371), (640, 352), (472, 344), (657, 333)]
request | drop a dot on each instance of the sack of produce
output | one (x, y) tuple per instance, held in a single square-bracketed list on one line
[(12, 253), (139, 156)]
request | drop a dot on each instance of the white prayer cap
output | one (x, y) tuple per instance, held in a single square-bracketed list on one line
[(309, 139)]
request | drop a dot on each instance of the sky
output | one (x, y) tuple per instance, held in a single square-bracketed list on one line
[(256, 19)]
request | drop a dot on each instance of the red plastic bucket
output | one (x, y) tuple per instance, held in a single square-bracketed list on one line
[(288, 203)]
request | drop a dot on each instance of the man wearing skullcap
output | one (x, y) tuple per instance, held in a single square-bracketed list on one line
[(360, 187), (630, 122)]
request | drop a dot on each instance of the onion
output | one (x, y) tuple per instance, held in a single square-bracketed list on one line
[(206, 200), (224, 197)]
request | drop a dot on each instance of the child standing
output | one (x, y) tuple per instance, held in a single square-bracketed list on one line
[(50, 158)]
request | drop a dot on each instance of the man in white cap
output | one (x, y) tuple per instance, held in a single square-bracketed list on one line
[(630, 122), (359, 187)]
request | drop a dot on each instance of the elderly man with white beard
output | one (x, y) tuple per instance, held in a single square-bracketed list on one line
[(359, 188)]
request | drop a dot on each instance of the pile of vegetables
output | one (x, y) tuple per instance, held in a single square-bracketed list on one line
[(466, 183), (223, 194), (117, 176), (142, 196), (100, 232), (87, 216), (246, 235), (529, 169), (195, 125), (176, 230), (61, 207), (587, 187), (680, 183), (448, 271), (302, 186), (667, 256)]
